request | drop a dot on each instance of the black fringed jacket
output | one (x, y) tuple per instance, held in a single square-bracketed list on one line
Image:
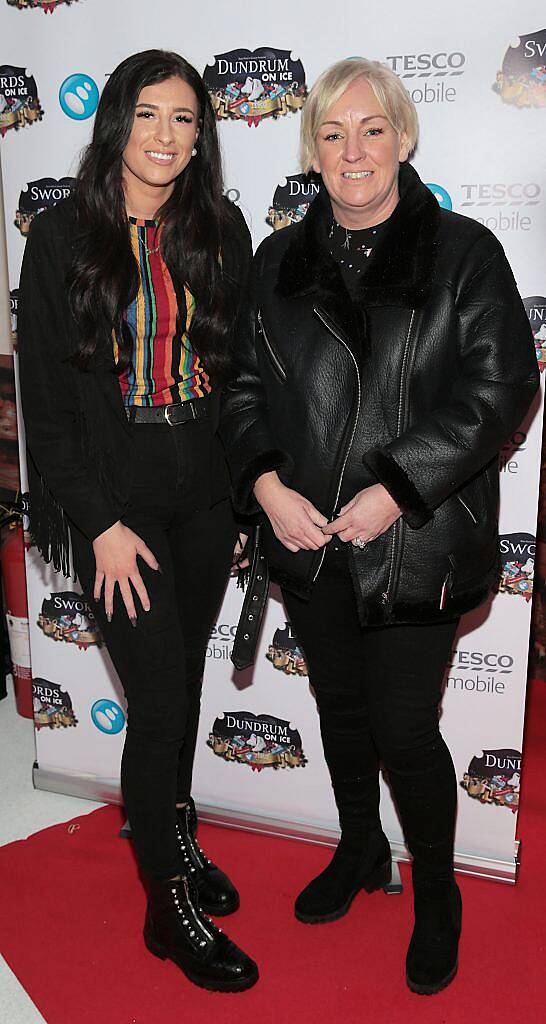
[(80, 452), (417, 384)]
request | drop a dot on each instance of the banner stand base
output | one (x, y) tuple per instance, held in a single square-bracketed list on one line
[(91, 787)]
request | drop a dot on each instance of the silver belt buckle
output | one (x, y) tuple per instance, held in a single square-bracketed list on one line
[(166, 412), (179, 406)]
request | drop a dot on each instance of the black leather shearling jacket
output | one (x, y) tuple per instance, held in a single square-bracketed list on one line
[(416, 383)]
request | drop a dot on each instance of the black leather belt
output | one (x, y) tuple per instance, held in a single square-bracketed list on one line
[(252, 612), (182, 412)]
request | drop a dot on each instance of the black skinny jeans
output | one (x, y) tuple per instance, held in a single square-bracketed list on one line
[(378, 692), (160, 662)]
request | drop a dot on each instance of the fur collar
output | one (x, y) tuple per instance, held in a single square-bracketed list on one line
[(401, 272)]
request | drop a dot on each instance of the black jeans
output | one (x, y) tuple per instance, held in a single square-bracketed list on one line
[(160, 662), (378, 692)]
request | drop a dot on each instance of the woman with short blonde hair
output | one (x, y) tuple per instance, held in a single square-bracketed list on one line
[(391, 360), (330, 86)]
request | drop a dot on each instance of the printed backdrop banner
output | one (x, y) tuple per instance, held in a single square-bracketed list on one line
[(480, 89)]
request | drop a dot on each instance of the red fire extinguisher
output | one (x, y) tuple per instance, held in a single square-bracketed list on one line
[(12, 553)]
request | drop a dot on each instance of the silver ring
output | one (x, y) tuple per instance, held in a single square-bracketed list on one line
[(359, 543)]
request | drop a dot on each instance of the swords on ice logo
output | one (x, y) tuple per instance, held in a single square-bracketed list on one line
[(38, 196), (494, 778), (535, 307), (285, 653), (67, 616), (518, 563), (48, 6), (292, 200), (248, 85), (259, 741), (19, 103), (522, 78), (52, 705)]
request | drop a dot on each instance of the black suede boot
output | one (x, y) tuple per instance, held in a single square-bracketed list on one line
[(329, 896), (176, 929), (426, 796), (432, 957), (216, 894)]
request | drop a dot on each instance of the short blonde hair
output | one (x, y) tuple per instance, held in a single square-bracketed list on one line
[(331, 84)]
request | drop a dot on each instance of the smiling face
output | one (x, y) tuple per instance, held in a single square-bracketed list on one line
[(358, 153), (164, 132)]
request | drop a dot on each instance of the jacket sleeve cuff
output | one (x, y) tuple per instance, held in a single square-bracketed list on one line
[(243, 489), (396, 481)]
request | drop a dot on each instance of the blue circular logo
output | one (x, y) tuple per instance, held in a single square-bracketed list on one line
[(442, 195), (107, 716), (79, 97)]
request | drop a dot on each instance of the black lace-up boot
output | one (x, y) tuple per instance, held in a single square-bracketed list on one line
[(176, 929), (216, 894)]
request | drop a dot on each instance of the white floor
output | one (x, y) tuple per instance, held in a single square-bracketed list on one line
[(24, 810)]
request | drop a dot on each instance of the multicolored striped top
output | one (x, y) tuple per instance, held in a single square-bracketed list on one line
[(163, 367)]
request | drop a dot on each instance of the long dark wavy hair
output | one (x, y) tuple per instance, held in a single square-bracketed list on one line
[(104, 276)]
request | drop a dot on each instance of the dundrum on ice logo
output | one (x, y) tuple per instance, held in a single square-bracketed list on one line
[(248, 85), (285, 654), (518, 564), (522, 78), (535, 307), (494, 778), (19, 102), (259, 741), (13, 309), (48, 6), (38, 196), (67, 616), (52, 705), (292, 200)]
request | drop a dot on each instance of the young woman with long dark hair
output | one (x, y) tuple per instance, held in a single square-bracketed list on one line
[(130, 297)]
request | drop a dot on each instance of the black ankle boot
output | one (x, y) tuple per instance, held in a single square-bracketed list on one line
[(217, 895), (329, 896), (176, 929), (432, 957)]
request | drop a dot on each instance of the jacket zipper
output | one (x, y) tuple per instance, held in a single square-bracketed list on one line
[(469, 510), (387, 595), (272, 354), (339, 338)]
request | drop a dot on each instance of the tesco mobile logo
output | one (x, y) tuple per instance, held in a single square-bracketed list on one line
[(79, 96), (107, 716), (441, 194)]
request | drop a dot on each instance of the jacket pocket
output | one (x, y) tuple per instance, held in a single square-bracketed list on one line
[(272, 356)]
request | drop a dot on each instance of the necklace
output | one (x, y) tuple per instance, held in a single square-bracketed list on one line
[(151, 252), (346, 244), (143, 238), (352, 252)]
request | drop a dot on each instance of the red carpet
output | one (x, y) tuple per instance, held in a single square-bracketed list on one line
[(72, 911)]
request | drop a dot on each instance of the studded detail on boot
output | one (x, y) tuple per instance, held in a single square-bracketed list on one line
[(176, 929), (217, 894)]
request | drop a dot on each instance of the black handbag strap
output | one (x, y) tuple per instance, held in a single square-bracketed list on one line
[(252, 612)]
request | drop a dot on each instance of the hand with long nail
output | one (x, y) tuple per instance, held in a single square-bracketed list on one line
[(116, 553)]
